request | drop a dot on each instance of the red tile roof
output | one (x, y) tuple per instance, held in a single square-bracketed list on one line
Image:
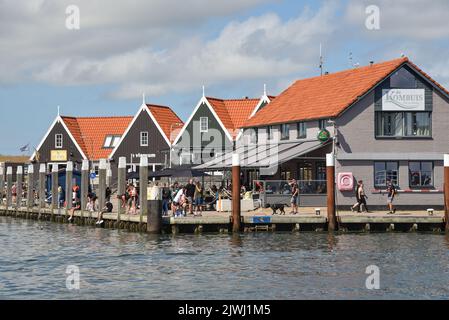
[(326, 96), (90, 133), (166, 118), (233, 113)]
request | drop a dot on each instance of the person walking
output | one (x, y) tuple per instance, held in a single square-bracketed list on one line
[(362, 197), (357, 196), (295, 196), (391, 192)]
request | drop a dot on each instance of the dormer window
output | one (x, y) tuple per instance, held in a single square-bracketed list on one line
[(111, 141)]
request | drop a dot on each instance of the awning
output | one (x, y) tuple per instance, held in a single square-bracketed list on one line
[(264, 156)]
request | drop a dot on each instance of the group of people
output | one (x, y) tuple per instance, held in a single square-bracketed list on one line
[(91, 205), (361, 197), (183, 200)]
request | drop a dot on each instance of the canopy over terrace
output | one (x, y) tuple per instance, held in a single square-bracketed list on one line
[(264, 156)]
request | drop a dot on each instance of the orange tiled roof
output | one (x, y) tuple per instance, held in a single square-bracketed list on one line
[(90, 133), (166, 118), (233, 112), (326, 96)]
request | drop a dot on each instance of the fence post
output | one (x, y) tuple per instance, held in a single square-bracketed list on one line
[(68, 186), (8, 187), (108, 175), (121, 181), (42, 177), (19, 189), (143, 187), (236, 214), (54, 187), (330, 175), (102, 183), (30, 188), (84, 185)]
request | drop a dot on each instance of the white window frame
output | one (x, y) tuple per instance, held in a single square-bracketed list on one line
[(59, 146), (142, 143), (201, 124)]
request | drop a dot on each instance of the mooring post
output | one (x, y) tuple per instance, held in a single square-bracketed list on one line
[(330, 174), (42, 177), (68, 186), (108, 175), (446, 191), (154, 216), (54, 187), (84, 185), (121, 181), (236, 193), (102, 183), (30, 188), (2, 182), (143, 187), (8, 187), (19, 189)]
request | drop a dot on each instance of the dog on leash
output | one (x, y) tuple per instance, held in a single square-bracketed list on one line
[(276, 207)]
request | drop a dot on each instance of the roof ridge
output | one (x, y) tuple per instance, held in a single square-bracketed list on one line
[(94, 117), (157, 105)]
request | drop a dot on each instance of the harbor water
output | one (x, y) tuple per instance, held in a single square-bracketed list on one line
[(37, 259)]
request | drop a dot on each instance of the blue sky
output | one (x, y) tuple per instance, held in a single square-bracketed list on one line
[(169, 49)]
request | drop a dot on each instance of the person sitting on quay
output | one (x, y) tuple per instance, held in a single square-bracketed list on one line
[(179, 203), (106, 209), (124, 197), (76, 203), (133, 200)]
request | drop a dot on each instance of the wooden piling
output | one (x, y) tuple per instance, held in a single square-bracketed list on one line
[(121, 185), (154, 216), (102, 183), (236, 214), (330, 174), (68, 186), (19, 189), (54, 187), (2, 182), (41, 192), (8, 187), (84, 185), (30, 188), (143, 187), (446, 191)]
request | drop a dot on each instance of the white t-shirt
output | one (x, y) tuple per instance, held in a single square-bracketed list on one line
[(178, 195)]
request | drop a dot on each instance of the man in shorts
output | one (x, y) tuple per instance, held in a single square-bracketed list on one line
[(295, 196), (391, 192)]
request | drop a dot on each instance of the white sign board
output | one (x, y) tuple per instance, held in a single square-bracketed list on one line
[(403, 100)]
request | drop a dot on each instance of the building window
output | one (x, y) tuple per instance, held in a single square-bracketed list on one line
[(270, 133), (58, 141), (111, 141), (144, 138), (322, 124), (302, 130), (204, 124), (285, 131), (254, 136), (384, 171), (403, 124), (420, 173)]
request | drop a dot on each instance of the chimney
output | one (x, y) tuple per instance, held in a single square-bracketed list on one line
[(371, 63), (326, 73)]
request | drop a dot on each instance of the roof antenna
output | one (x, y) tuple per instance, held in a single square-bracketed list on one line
[(321, 61), (203, 92), (143, 98)]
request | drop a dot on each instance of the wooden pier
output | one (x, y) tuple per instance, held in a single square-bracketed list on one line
[(260, 220)]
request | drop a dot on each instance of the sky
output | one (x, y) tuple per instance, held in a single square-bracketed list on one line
[(169, 49)]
